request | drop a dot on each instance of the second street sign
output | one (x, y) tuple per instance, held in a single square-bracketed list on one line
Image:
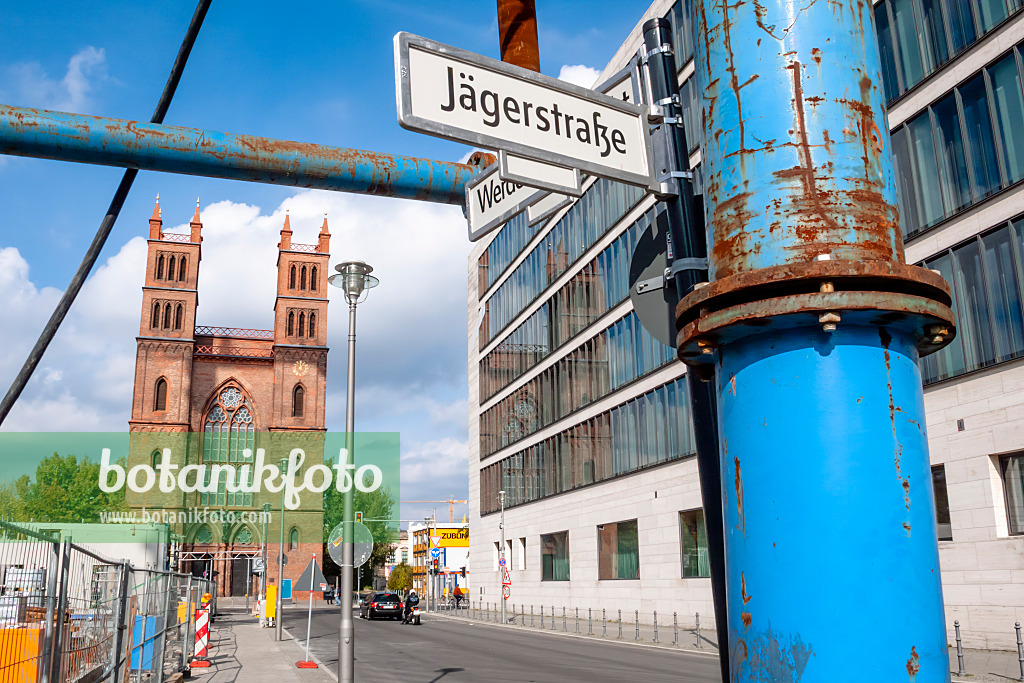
[(458, 95)]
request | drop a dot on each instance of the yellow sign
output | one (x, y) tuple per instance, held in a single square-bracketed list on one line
[(452, 538), (271, 602)]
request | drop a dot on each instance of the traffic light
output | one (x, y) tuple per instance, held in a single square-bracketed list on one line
[(359, 516), (463, 572), (436, 562)]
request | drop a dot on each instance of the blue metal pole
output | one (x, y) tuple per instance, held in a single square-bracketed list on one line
[(812, 326), (175, 149)]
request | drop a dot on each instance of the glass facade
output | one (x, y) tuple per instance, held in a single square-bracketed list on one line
[(554, 557), (600, 207), (503, 249), (618, 355), (646, 431), (941, 503), (618, 554), (986, 278), (916, 37), (963, 148), (602, 284)]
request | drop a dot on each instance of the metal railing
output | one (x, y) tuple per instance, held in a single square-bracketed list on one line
[(68, 614), (240, 332), (234, 351), (307, 248), (183, 237)]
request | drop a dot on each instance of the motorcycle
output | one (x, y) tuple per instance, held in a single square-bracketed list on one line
[(412, 615)]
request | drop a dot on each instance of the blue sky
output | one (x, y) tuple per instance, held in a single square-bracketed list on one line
[(317, 72)]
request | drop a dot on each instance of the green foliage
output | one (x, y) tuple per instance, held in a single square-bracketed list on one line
[(400, 578), (64, 490), (378, 506)]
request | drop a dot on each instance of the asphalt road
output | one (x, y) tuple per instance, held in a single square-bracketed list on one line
[(442, 650)]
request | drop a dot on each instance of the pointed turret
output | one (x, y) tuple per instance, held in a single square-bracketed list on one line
[(196, 225), (286, 234), (156, 222), (323, 245)]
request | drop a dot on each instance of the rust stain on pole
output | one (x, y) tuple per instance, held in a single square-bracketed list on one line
[(517, 33)]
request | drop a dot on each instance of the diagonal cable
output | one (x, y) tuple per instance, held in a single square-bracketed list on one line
[(106, 225)]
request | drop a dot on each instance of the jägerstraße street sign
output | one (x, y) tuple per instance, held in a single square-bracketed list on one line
[(462, 96), (491, 201)]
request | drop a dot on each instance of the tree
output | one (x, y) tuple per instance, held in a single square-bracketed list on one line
[(401, 578), (65, 490), (378, 508)]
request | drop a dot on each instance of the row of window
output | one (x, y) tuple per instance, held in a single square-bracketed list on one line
[(646, 431), (503, 250), (297, 278), (987, 282), (618, 355), (916, 37), (601, 285), (306, 326), (176, 267), (167, 315), (963, 148), (600, 207), (618, 550)]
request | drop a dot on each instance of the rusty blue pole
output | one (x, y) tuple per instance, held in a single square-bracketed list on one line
[(175, 149), (812, 325)]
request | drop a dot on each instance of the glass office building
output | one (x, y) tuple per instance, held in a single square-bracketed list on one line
[(581, 417)]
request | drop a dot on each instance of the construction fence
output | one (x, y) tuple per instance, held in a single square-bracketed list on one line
[(68, 615)]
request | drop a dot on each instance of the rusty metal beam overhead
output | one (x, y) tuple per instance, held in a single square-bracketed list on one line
[(175, 149), (517, 33)]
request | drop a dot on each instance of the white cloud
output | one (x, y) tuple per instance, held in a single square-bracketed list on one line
[(32, 86), (579, 74)]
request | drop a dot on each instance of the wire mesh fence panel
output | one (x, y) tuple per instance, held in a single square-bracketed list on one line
[(28, 569)]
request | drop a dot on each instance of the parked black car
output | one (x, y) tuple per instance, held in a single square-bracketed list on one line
[(387, 605)]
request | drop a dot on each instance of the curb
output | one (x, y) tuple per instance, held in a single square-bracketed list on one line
[(323, 667), (615, 641)]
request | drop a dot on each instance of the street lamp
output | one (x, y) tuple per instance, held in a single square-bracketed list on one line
[(353, 277), (504, 563), (278, 622)]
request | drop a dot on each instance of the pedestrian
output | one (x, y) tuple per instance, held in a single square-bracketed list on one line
[(457, 594)]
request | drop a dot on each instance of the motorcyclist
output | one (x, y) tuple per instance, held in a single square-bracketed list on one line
[(412, 600)]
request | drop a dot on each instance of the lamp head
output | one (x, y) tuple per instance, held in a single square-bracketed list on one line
[(353, 277)]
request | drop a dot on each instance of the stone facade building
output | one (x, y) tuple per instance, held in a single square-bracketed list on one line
[(216, 395)]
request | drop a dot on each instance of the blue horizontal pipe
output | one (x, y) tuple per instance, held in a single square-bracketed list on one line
[(174, 149)]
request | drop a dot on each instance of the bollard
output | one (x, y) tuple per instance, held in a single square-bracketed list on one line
[(636, 623), (590, 621), (620, 624), (604, 624), (698, 630), (552, 617), (531, 616), (959, 650), (563, 619), (522, 615), (1020, 650), (542, 616), (577, 620), (675, 629), (655, 625)]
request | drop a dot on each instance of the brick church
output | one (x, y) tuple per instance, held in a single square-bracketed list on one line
[(210, 393)]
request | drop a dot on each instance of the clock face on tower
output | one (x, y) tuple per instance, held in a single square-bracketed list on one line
[(300, 367)]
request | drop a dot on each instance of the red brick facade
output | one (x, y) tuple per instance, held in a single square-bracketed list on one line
[(220, 389)]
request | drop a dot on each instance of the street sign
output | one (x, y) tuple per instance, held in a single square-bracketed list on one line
[(652, 293), (284, 559), (311, 577), (624, 84), (462, 96), (257, 565), (435, 541), (490, 201), (506, 578), (435, 553), (501, 561), (362, 540), (545, 207), (533, 173), (506, 591)]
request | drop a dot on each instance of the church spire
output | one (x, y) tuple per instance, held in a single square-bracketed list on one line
[(323, 245), (196, 224), (286, 233), (156, 223)]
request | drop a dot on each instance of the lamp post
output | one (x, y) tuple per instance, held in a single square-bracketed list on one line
[(278, 625), (353, 277), (263, 574), (504, 563)]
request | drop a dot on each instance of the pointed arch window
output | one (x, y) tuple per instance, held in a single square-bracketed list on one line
[(228, 431), (312, 279), (312, 325), (291, 323), (155, 459), (177, 316), (204, 535), (243, 536), (167, 316), (182, 269), (291, 278), (302, 324), (160, 267), (154, 321), (170, 268), (160, 399), (298, 401), (302, 279), (293, 539)]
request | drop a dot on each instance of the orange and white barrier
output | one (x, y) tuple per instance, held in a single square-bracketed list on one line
[(202, 638)]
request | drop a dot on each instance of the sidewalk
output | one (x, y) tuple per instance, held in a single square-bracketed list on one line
[(241, 651), (986, 665)]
